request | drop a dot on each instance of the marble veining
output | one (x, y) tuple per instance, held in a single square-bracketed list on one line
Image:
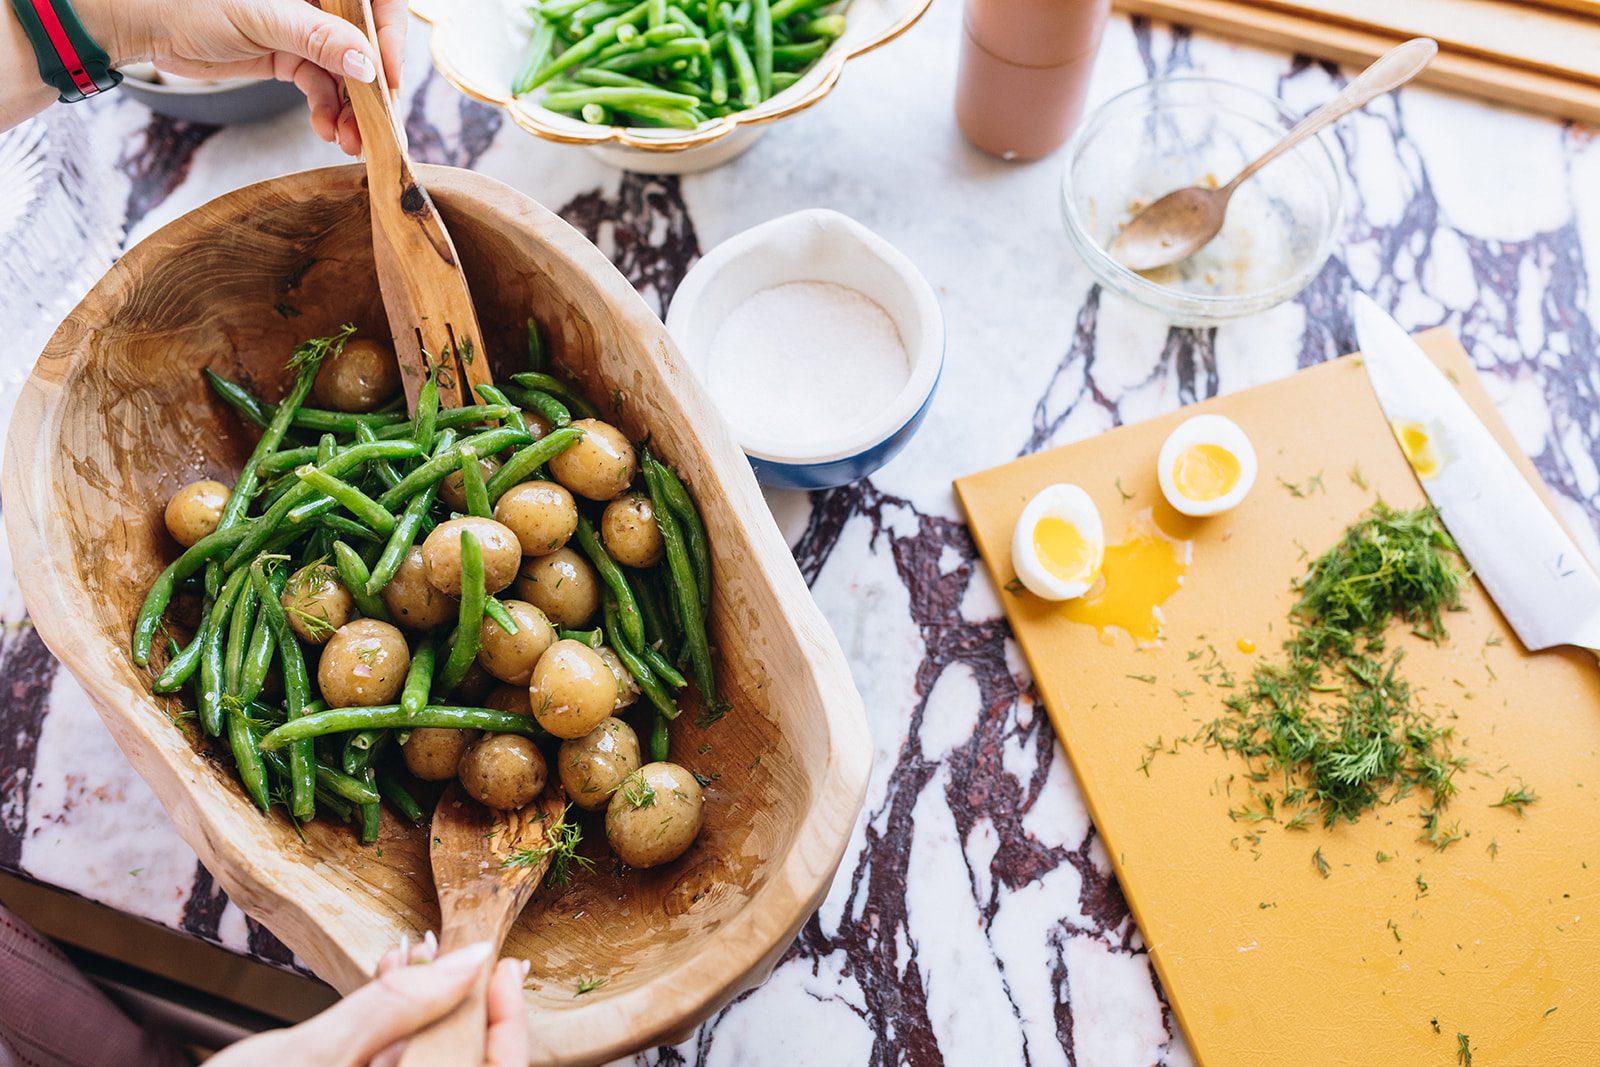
[(975, 918)]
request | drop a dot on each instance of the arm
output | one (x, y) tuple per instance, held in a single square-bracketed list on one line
[(22, 94)]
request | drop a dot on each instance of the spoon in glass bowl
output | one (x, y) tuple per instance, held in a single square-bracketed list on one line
[(1184, 221)]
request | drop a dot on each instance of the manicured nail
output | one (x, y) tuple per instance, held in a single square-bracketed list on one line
[(430, 945), (405, 949), (466, 960), (358, 66), (525, 966)]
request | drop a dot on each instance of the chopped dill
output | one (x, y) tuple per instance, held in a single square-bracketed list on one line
[(1422, 887), (1123, 493), (1463, 1050), (1494, 849), (311, 353), (1384, 857), (588, 985), (1014, 587), (1147, 679), (561, 845), (1516, 799), (637, 791), (1320, 862), (1357, 478)]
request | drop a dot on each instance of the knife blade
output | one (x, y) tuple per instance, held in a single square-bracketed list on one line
[(1535, 572)]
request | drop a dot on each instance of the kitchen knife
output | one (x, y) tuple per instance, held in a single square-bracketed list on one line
[(1538, 577)]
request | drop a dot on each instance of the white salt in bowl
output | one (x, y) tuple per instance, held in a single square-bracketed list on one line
[(816, 245)]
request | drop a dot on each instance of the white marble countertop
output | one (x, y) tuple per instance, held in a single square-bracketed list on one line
[(974, 918)]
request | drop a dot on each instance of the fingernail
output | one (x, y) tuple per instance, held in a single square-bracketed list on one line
[(405, 949), (358, 66), (466, 960), (525, 966), (430, 945)]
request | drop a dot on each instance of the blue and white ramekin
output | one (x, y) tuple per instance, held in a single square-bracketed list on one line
[(818, 245)]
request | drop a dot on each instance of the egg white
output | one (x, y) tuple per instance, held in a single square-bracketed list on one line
[(1207, 430), (1070, 504)]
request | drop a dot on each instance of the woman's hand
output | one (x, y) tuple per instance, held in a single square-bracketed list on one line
[(290, 40), (371, 1025)]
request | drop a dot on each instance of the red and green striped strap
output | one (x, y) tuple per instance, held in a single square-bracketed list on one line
[(69, 59)]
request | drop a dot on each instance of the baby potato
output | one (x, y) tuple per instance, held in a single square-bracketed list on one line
[(629, 531), (655, 815), (194, 511), (541, 514), (503, 771), (317, 603), (538, 425), (572, 689), (627, 685), (412, 599), (441, 554), (453, 489), (360, 378), (474, 686), (592, 766), (512, 657), (601, 465), (433, 754), (563, 585), (512, 698), (363, 664)]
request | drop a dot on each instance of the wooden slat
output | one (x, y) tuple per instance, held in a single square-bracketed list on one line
[(1499, 82), (1590, 8)]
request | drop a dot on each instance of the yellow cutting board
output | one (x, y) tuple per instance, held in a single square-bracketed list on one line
[(1267, 962)]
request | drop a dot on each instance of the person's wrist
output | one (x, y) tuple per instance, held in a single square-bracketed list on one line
[(117, 27)]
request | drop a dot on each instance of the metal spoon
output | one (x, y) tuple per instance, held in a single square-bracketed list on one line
[(1182, 222)]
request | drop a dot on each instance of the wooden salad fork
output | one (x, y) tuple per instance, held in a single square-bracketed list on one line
[(424, 290), (486, 864)]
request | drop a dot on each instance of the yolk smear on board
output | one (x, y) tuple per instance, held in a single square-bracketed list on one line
[(1063, 549), (1205, 472), (1245, 645), (1139, 574), (1419, 446)]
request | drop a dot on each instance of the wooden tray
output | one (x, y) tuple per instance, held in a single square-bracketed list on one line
[(1264, 960)]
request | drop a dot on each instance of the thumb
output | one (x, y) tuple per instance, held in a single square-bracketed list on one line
[(325, 39), (393, 1006)]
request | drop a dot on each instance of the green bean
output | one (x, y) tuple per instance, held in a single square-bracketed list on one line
[(682, 48), (182, 665), (663, 668), (366, 435), (469, 624), (743, 69), (350, 498), (529, 459), (782, 79), (395, 792), (827, 26), (247, 758), (497, 611), (419, 678), (677, 118), (567, 394), (761, 42), (405, 531), (446, 460), (446, 717), (472, 487), (546, 406), (258, 658), (297, 695), (798, 53), (494, 395), (345, 785), (603, 34), (595, 115), (240, 626), (212, 656), (648, 683), (660, 739), (684, 587), (287, 460), (160, 594), (688, 88), (261, 413), (448, 419), (741, 16), (359, 750), (719, 80), (655, 13), (607, 78), (426, 421), (616, 97), (371, 815), (783, 9), (558, 11), (654, 36), (629, 619), (593, 638), (544, 36), (687, 21), (694, 526), (586, 17), (659, 624), (355, 576), (536, 354)]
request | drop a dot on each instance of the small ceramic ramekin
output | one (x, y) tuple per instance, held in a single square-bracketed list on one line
[(819, 246)]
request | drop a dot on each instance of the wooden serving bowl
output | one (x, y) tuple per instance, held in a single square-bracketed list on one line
[(117, 416)]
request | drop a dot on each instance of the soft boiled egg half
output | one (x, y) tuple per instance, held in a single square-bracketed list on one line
[(1059, 543), (1206, 466)]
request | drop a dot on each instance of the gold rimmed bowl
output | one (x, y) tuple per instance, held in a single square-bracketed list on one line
[(479, 45)]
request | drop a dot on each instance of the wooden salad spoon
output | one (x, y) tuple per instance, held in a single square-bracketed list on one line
[(424, 290), (1184, 221), (486, 864)]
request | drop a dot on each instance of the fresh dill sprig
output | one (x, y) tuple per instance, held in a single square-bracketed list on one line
[(1516, 799), (637, 791), (561, 846), (1320, 862), (1463, 1050), (311, 353), (588, 985)]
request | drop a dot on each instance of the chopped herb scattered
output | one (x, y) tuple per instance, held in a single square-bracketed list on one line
[(1014, 587), (561, 846), (1463, 1050), (637, 791), (1126, 496), (1359, 479), (1516, 799), (588, 985), (1147, 679), (1319, 862)]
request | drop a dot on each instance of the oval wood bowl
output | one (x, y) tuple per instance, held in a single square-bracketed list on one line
[(116, 416)]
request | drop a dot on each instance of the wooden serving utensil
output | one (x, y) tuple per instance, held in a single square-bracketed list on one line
[(486, 864), (424, 291)]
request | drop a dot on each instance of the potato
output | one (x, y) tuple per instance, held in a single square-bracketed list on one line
[(441, 554), (601, 465), (541, 514), (629, 531), (434, 754), (194, 511), (317, 603), (538, 425), (655, 815), (572, 689), (627, 685), (503, 771), (412, 599), (512, 698), (364, 663), (592, 766), (453, 489), (563, 585), (474, 686), (512, 657), (360, 378)]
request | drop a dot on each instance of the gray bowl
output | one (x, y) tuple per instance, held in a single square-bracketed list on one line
[(220, 103)]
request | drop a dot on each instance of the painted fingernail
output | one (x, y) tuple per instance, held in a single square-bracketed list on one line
[(358, 66), (466, 960)]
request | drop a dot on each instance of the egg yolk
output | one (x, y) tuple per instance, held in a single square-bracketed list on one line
[(1419, 447), (1063, 549), (1205, 472), (1141, 573)]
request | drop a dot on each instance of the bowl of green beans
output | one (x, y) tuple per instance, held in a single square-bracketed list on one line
[(657, 86)]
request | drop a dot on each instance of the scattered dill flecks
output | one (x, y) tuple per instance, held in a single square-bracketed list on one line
[(1384, 857), (1357, 478), (1440, 837), (1147, 679), (1126, 496), (561, 845), (1494, 849), (1320, 862), (1265, 904), (1516, 799), (1300, 490), (1463, 1050), (1434, 1022), (1550, 1010), (1422, 887), (588, 985), (1014, 587), (1394, 929)]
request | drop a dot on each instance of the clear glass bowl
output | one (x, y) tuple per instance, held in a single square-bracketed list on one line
[(1173, 132)]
